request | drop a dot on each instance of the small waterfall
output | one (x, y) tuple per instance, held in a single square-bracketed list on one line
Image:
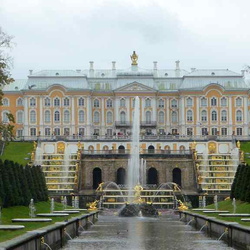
[(38, 155), (66, 166)]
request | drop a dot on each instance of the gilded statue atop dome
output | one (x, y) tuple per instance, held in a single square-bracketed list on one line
[(134, 58)]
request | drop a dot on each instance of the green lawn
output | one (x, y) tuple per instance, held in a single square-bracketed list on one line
[(17, 152), (23, 212), (245, 146), (241, 207)]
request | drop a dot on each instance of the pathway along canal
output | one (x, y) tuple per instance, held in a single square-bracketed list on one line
[(138, 233)]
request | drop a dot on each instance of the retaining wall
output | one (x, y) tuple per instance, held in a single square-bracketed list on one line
[(56, 235), (235, 235)]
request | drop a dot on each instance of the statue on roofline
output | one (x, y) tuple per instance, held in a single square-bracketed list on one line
[(134, 58)]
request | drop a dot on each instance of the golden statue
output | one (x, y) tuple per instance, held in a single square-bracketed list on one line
[(197, 166), (138, 188), (32, 156), (92, 205), (134, 58), (182, 207), (34, 145), (100, 189), (195, 155), (238, 144), (79, 145), (242, 156)]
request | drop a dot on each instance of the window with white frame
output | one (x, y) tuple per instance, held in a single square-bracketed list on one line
[(213, 101), (81, 102), (96, 103), (189, 131), (19, 133), (66, 131), (223, 115), (223, 131), (47, 116), (57, 131), (148, 117), (109, 103), (47, 132), (203, 115), (161, 117), (147, 103), (238, 102), (47, 102), (96, 117), (57, 102), (133, 103), (123, 117), (223, 102), (203, 102), (122, 102), (81, 131), (66, 102), (239, 116), (81, 116), (161, 103), (32, 102), (239, 131), (5, 118), (57, 116), (109, 117), (214, 116), (19, 102), (66, 116), (32, 116), (214, 131), (33, 131), (174, 103), (20, 117), (174, 116), (189, 116), (204, 131), (189, 102)]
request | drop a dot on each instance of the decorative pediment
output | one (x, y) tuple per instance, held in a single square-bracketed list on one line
[(135, 87)]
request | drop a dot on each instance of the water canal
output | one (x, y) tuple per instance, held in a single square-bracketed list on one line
[(140, 233)]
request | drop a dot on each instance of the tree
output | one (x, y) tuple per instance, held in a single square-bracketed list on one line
[(6, 129)]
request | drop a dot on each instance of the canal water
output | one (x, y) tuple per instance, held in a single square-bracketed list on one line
[(138, 233)]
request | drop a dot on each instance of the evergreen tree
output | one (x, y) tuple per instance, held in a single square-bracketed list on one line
[(2, 191), (26, 193), (247, 187), (14, 183), (43, 184), (232, 194), (9, 198), (239, 182), (30, 181), (243, 186)]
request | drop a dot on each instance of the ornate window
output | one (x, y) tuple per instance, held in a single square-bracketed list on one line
[(5, 102), (66, 102), (189, 116), (66, 116), (161, 103), (239, 131), (109, 117), (109, 103), (57, 116), (223, 131), (19, 116), (20, 102), (47, 116), (47, 131), (122, 102), (81, 101), (239, 116), (223, 102), (203, 102), (189, 102), (174, 103), (33, 131), (32, 116), (213, 101), (57, 102), (214, 116), (32, 102), (203, 115), (223, 115), (161, 117), (123, 117), (5, 118), (96, 117), (238, 102), (96, 103), (148, 117), (174, 116), (47, 102), (81, 116), (148, 103)]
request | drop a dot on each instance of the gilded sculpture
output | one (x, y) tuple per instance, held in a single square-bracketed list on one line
[(134, 58)]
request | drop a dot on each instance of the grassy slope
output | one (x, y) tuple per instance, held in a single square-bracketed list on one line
[(23, 212), (241, 207), (245, 146), (17, 151)]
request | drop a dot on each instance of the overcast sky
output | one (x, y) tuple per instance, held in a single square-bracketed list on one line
[(67, 34)]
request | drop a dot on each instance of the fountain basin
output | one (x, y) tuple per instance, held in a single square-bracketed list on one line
[(235, 215), (77, 209), (246, 220), (31, 220), (203, 209), (68, 212), (52, 215), (143, 209), (11, 227), (215, 211)]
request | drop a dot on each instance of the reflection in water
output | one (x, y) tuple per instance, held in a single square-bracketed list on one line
[(138, 233)]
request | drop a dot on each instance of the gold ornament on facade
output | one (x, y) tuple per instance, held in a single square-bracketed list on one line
[(199, 179), (100, 187), (195, 155), (79, 145), (212, 148), (60, 148), (134, 58), (193, 145), (32, 156), (197, 166), (238, 144)]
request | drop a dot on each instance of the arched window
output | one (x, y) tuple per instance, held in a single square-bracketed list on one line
[(177, 176), (66, 102), (161, 103), (20, 117), (47, 116), (223, 115), (81, 102), (121, 149), (148, 103), (214, 116), (239, 116), (203, 115), (81, 116), (213, 101), (66, 116), (223, 102), (123, 117), (189, 115), (174, 103), (32, 116), (47, 102), (56, 102), (96, 103), (20, 102), (109, 117), (174, 116), (5, 118), (161, 117), (148, 117), (133, 103), (151, 149), (97, 177), (96, 117), (120, 176), (32, 102), (203, 102), (189, 102), (122, 102), (57, 116), (109, 103), (238, 102), (152, 176)]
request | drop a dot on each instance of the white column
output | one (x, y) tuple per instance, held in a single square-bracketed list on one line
[(73, 131), (230, 122), (154, 108), (89, 121), (245, 111), (117, 105), (102, 132), (26, 117), (198, 121), (41, 128), (182, 121)]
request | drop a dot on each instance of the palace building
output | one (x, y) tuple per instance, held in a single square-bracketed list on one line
[(94, 107)]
